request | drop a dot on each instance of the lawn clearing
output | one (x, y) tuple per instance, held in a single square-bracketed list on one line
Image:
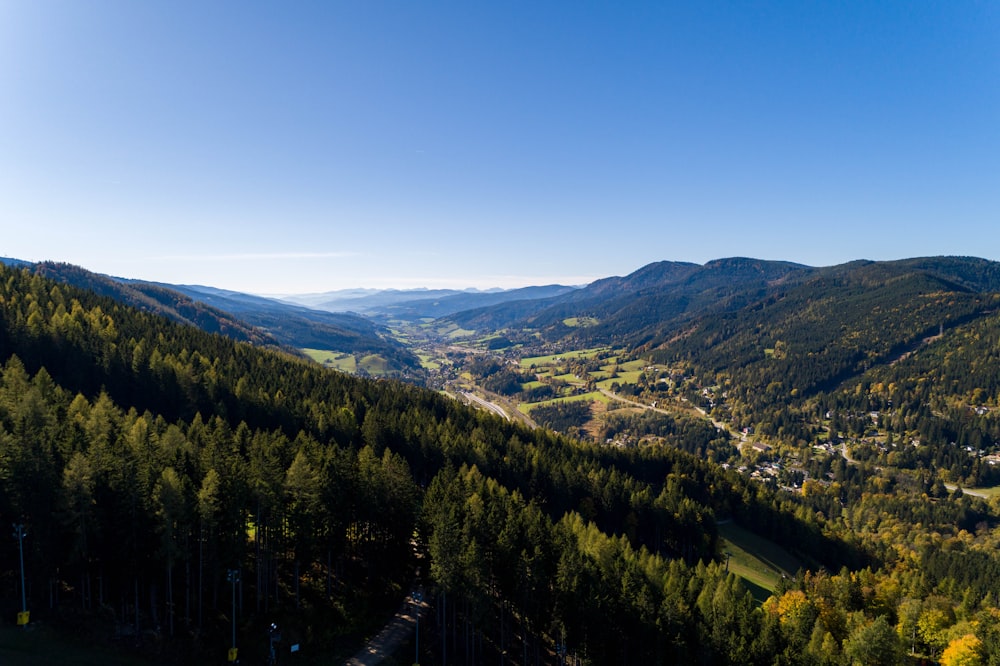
[(757, 560), (374, 364), (428, 361), (593, 396), (553, 359), (622, 378), (332, 359), (460, 333), (580, 322), (569, 378)]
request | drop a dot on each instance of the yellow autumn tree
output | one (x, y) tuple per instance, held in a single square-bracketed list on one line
[(962, 651)]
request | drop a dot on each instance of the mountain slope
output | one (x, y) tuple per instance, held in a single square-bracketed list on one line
[(886, 351), (157, 299), (629, 308), (844, 320), (303, 327), (243, 317), (144, 455)]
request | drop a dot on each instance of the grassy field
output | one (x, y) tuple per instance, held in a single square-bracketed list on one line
[(580, 322), (428, 361), (460, 333), (758, 561), (986, 493), (332, 359), (569, 378), (373, 364), (621, 379), (553, 359), (628, 373), (594, 396)]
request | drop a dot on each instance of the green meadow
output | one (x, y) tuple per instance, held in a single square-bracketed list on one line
[(331, 359), (757, 560), (593, 396), (553, 359)]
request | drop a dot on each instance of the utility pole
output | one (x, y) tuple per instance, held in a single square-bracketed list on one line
[(19, 534), (233, 576)]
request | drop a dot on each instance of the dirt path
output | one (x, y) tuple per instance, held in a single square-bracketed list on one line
[(394, 634)]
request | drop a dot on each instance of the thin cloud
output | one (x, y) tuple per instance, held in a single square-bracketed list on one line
[(255, 256), (479, 282)]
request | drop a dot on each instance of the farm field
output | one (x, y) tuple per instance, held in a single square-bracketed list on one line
[(553, 359), (577, 322), (331, 359), (373, 364), (593, 396)]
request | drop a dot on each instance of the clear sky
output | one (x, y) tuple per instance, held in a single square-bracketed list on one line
[(291, 147)]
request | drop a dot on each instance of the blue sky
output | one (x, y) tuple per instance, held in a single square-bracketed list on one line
[(308, 146)]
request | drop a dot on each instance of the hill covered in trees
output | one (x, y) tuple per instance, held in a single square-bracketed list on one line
[(147, 459), (262, 321)]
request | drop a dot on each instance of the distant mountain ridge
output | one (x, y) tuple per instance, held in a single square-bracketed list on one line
[(414, 304), (363, 300)]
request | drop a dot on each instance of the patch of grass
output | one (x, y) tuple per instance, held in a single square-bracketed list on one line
[(630, 377), (374, 364), (580, 322), (551, 359), (568, 378), (427, 361), (460, 333), (986, 493), (333, 359), (593, 396), (759, 561)]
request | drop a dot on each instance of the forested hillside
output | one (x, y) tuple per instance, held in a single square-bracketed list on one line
[(146, 459), (632, 308), (245, 317), (910, 342)]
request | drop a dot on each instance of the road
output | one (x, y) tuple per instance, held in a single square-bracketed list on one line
[(718, 424), (950, 486), (497, 409), (394, 634), (967, 491)]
